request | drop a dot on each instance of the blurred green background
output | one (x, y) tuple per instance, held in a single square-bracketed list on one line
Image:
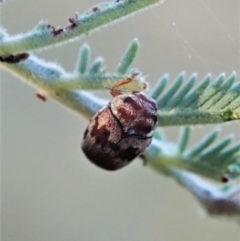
[(49, 190)]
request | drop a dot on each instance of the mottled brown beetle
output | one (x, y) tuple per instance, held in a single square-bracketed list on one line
[(120, 131)]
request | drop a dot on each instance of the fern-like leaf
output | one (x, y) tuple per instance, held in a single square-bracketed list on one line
[(44, 34), (65, 87), (214, 161), (181, 104), (196, 169)]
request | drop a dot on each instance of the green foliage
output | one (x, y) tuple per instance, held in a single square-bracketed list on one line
[(214, 161), (44, 34), (206, 104), (212, 101)]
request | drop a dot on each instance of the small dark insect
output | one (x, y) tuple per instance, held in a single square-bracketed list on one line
[(73, 22), (122, 130), (225, 178), (55, 31), (41, 96), (14, 59), (96, 9)]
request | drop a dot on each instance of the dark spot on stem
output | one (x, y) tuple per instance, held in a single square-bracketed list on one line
[(96, 9), (14, 59), (41, 96)]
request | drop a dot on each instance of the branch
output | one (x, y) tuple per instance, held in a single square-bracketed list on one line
[(216, 162), (54, 81), (44, 34), (218, 201), (191, 167)]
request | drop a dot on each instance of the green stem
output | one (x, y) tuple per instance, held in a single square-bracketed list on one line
[(42, 35)]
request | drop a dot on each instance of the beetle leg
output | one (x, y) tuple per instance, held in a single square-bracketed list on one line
[(114, 91)]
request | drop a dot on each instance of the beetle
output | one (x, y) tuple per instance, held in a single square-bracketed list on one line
[(122, 130)]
